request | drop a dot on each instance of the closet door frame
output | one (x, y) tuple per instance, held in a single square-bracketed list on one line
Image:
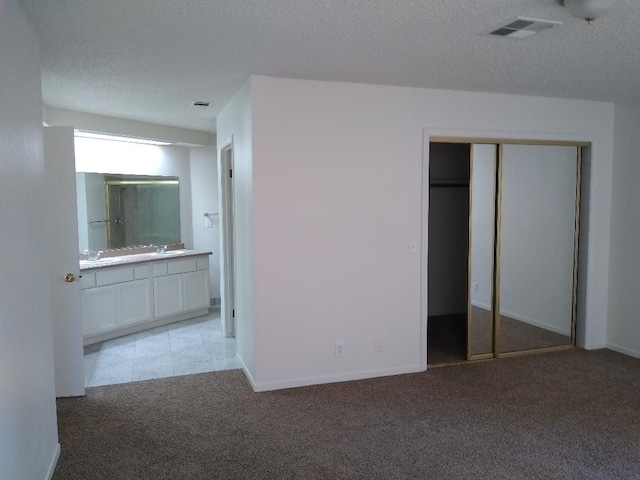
[(499, 143)]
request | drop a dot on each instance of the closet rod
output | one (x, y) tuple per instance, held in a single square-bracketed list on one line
[(448, 184)]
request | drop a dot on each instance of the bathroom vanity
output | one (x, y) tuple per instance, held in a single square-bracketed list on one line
[(125, 294)]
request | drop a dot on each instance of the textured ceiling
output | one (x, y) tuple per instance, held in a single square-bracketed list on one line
[(150, 59)]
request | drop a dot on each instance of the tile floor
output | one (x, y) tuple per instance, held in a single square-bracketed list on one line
[(191, 346)]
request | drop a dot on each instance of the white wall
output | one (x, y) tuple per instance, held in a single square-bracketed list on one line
[(204, 188), (105, 156), (235, 122), (337, 189), (28, 431), (624, 308)]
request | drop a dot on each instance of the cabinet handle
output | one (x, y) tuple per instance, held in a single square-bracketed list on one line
[(69, 277)]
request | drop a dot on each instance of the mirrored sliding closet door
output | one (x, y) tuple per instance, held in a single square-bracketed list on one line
[(537, 246), (481, 251), (503, 243)]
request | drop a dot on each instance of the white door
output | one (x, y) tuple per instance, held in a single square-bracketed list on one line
[(62, 230)]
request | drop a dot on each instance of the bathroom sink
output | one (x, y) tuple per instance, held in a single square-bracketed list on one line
[(100, 261), (128, 259)]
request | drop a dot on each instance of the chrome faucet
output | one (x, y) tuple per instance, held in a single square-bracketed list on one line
[(93, 255)]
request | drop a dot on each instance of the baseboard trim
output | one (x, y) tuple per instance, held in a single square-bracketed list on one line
[(324, 379), (54, 462), (247, 373), (623, 350), (139, 327)]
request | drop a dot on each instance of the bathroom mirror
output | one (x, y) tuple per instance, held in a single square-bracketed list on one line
[(118, 210)]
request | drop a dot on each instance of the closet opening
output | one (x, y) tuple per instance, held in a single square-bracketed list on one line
[(449, 171), (503, 236)]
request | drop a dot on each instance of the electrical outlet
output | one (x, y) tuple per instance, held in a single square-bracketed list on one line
[(379, 344), (475, 287), (339, 352)]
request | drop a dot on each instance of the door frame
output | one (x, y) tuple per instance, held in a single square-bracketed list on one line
[(227, 239), (498, 137)]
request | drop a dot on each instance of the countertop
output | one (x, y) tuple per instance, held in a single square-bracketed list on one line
[(89, 265)]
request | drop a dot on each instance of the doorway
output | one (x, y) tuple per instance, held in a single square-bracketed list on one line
[(228, 238), (503, 245)]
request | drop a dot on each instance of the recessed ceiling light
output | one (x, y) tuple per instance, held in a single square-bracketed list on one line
[(119, 138)]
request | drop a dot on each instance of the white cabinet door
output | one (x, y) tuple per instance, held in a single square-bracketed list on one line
[(99, 310), (167, 295), (135, 302), (196, 290)]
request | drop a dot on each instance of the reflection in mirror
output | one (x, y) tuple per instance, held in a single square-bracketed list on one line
[(537, 242), (117, 210), (483, 186)]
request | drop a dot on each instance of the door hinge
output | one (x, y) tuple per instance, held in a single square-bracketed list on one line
[(233, 313), (230, 173)]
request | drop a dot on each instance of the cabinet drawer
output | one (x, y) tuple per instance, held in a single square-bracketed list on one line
[(115, 275), (87, 280), (142, 271), (182, 266)]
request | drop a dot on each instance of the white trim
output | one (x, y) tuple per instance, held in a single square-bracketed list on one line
[(505, 135), (247, 373), (427, 133), (54, 462), (345, 377), (619, 349), (227, 251), (424, 252)]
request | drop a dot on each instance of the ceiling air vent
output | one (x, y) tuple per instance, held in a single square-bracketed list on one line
[(522, 27), (202, 104)]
